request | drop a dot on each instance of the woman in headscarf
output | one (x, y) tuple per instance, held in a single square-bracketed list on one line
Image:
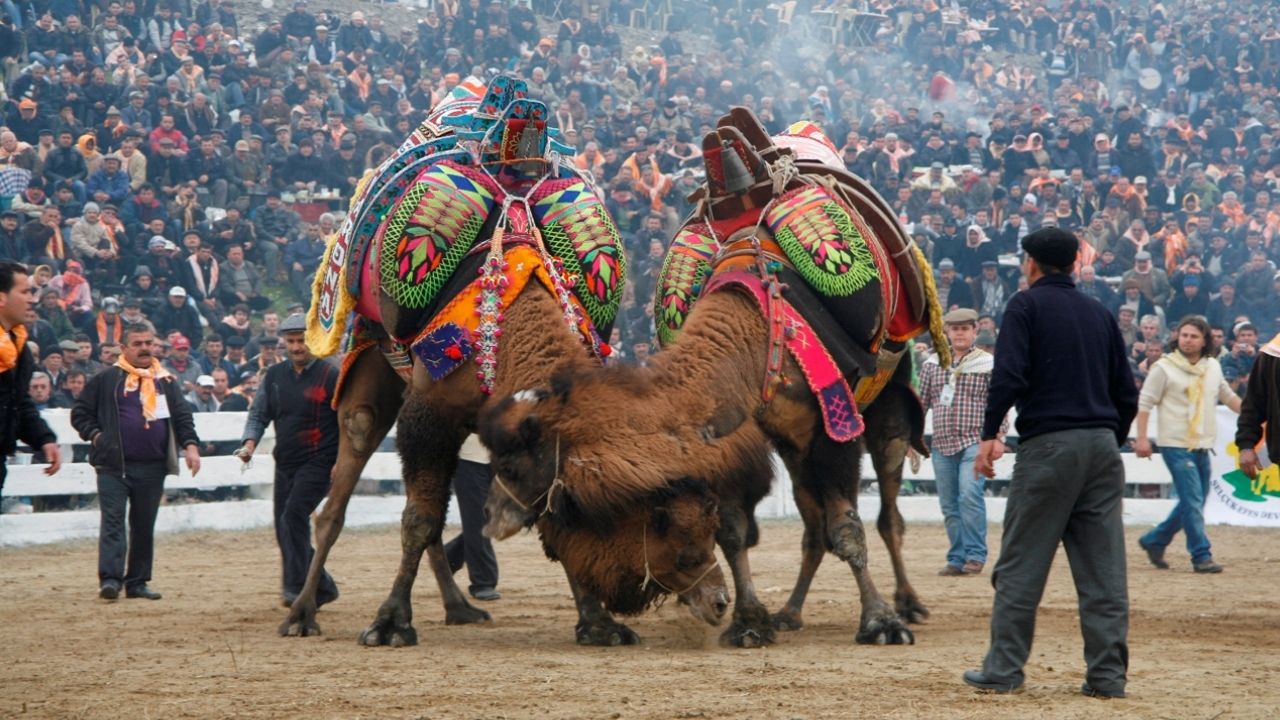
[(73, 289)]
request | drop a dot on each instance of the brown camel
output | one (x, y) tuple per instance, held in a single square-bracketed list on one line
[(461, 191), (435, 419), (678, 416)]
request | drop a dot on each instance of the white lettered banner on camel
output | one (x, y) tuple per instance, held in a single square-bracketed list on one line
[(1233, 498)]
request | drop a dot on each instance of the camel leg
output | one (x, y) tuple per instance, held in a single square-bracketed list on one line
[(813, 547), (595, 625), (837, 466), (887, 458), (428, 445), (888, 439), (366, 412), (751, 626)]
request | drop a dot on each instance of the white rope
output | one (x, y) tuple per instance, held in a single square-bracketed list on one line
[(649, 577)]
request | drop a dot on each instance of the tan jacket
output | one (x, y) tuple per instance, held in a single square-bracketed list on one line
[(1165, 391)]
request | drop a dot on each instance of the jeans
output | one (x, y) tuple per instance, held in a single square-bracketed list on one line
[(964, 511), (1191, 471)]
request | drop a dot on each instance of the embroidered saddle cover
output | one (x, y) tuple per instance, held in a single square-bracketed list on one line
[(414, 219)]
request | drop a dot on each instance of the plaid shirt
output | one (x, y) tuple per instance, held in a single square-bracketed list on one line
[(959, 425)]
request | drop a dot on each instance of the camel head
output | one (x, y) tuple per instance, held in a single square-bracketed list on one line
[(524, 467), (666, 546)]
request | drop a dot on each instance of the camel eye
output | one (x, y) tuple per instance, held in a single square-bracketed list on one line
[(686, 561)]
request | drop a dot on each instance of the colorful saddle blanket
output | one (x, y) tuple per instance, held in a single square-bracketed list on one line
[(415, 218)]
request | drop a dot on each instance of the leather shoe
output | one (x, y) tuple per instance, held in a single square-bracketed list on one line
[(323, 600), (486, 594), (143, 592), (109, 590), (951, 571), (1208, 566), (1089, 691), (979, 679), (286, 599), (1154, 554), (972, 567)]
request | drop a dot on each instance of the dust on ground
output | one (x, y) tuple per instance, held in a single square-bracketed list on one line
[(1201, 646)]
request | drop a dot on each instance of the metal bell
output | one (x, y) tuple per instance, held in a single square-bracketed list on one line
[(737, 178)]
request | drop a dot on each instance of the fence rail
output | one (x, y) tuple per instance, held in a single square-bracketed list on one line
[(29, 480)]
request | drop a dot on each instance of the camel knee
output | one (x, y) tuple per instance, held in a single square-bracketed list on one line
[(362, 430)]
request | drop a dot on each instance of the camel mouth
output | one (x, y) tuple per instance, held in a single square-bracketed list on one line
[(502, 523), (708, 605)]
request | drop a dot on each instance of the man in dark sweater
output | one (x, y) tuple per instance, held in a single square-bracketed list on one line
[(296, 395), (1261, 409), (19, 419), (134, 417), (1061, 358)]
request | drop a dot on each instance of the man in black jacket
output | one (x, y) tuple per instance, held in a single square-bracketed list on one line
[(65, 163), (1061, 357), (135, 418), (297, 396), (18, 416)]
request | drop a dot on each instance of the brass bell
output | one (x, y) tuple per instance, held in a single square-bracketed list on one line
[(737, 178)]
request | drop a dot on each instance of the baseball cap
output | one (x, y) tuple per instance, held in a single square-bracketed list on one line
[(177, 291), (205, 381)]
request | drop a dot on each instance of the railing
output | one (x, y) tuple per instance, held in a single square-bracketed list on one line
[(79, 478)]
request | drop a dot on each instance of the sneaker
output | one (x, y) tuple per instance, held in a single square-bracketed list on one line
[(1207, 567), (486, 594), (1154, 554), (951, 571), (141, 592), (972, 567)]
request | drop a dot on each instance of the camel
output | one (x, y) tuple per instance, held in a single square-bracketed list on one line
[(755, 323), (510, 310)]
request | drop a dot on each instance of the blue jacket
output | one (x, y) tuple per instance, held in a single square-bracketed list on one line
[(115, 186)]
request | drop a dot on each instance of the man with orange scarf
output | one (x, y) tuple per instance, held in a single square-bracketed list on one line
[(134, 417), (18, 415)]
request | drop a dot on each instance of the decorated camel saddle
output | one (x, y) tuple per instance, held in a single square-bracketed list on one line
[(837, 278), (474, 205)]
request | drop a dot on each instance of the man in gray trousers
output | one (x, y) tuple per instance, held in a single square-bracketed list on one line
[(1061, 357)]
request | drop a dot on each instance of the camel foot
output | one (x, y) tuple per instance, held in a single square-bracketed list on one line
[(605, 633), (386, 631), (883, 627), (301, 621), (465, 614), (787, 621), (752, 627), (849, 541), (910, 608)]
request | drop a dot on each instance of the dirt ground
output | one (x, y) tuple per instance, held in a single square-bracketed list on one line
[(1201, 646)]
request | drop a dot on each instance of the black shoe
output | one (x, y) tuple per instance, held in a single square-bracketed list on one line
[(978, 679), (1154, 554), (323, 600), (486, 594), (287, 598), (143, 592), (109, 590), (1208, 566), (1089, 691)]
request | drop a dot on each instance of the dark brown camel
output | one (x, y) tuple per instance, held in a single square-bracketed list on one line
[(435, 419), (684, 416)]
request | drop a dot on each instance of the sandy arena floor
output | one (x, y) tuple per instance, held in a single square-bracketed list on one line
[(1202, 646)]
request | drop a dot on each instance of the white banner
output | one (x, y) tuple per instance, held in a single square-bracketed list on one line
[(1234, 499)]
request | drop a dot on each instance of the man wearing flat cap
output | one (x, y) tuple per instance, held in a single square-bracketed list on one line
[(1060, 357), (296, 395), (957, 396)]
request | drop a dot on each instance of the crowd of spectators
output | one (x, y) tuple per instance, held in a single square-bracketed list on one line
[(158, 157)]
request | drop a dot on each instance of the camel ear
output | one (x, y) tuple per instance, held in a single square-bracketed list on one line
[(562, 382), (530, 430), (661, 520)]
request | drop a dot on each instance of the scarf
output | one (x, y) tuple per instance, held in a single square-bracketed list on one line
[(194, 262), (71, 281), (362, 84), (1273, 348), (11, 345), (116, 328), (143, 379), (55, 248), (1195, 391)]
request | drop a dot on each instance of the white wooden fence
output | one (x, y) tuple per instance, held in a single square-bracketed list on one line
[(227, 471)]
